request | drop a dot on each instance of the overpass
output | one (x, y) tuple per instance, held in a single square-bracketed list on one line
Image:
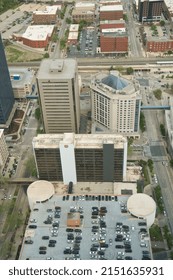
[(29, 97), (155, 107), (21, 181)]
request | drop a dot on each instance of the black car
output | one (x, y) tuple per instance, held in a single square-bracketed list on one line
[(128, 258), (146, 257), (29, 241), (142, 224), (128, 250), (119, 246), (56, 216), (69, 230), (42, 252), (52, 241), (67, 251), (78, 230), (93, 249), (101, 253), (45, 237), (75, 252), (32, 226), (78, 238), (51, 245), (42, 248)]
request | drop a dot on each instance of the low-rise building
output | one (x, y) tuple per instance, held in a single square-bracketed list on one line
[(109, 24), (158, 39), (114, 40), (73, 34), (36, 36), (84, 11), (22, 80), (48, 16), (111, 12)]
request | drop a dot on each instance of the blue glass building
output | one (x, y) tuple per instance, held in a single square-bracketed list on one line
[(6, 91)]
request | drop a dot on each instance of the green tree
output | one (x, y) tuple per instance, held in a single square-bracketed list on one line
[(150, 165), (37, 113), (142, 122), (171, 163), (62, 43), (46, 55), (162, 23), (55, 38), (68, 20), (129, 70), (157, 93), (125, 17), (31, 167), (162, 130)]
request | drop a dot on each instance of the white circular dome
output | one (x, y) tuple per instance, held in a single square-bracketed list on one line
[(142, 206), (39, 191)]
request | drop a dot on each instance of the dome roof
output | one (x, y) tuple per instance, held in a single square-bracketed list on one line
[(40, 190), (114, 82), (141, 205)]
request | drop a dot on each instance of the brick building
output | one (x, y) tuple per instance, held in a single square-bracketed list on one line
[(160, 41), (111, 12), (114, 40), (159, 45), (48, 16), (106, 24), (84, 11), (36, 36)]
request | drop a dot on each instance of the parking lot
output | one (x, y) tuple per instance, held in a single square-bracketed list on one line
[(105, 225), (87, 44)]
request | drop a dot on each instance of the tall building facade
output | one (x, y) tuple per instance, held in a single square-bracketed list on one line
[(58, 88), (150, 10), (81, 157), (115, 105), (6, 91), (3, 150)]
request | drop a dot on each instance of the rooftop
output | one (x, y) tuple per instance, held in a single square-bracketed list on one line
[(110, 8), (74, 28), (25, 76), (157, 35), (115, 87), (85, 5), (38, 32), (78, 140), (68, 69), (97, 226), (49, 10), (114, 82), (73, 35)]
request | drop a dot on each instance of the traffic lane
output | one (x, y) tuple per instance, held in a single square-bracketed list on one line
[(165, 183)]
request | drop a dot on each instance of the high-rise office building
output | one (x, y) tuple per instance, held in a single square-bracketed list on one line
[(150, 10), (115, 105), (6, 91), (58, 87), (3, 150), (81, 157)]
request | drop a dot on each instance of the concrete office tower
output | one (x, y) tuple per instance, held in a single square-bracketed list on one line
[(6, 91), (59, 95), (3, 150), (150, 10), (80, 157), (115, 105)]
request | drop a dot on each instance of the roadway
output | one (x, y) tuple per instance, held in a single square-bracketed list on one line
[(158, 154)]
